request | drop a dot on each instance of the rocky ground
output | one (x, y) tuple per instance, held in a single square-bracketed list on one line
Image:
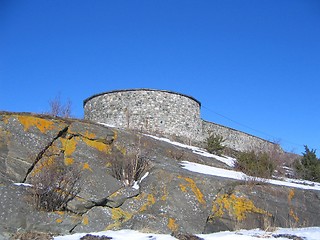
[(169, 198)]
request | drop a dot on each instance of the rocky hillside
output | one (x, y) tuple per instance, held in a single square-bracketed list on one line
[(168, 199)]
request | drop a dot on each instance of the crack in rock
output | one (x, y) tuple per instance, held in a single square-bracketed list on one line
[(42, 152)]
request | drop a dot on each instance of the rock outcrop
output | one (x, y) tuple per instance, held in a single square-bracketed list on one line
[(169, 199)]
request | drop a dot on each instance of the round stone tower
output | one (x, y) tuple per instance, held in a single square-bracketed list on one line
[(159, 112)]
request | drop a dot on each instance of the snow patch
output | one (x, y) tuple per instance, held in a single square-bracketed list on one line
[(213, 171), (23, 184), (227, 160), (311, 233)]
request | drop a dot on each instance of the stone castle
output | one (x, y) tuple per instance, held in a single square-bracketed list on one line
[(165, 113)]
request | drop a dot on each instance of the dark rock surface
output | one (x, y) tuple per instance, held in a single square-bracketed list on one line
[(169, 200)]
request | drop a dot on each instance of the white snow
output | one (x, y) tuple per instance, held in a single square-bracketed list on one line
[(227, 160), (136, 183), (213, 171), (311, 233), (107, 125), (23, 184)]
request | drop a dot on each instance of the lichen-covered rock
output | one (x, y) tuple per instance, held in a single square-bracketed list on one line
[(170, 199), (23, 139), (95, 220)]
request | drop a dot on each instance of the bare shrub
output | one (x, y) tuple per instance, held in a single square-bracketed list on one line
[(254, 181), (54, 185), (129, 169), (214, 144), (31, 235), (94, 237), (58, 109), (176, 154), (186, 236)]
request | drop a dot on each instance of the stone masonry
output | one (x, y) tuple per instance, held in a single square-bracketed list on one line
[(164, 113)]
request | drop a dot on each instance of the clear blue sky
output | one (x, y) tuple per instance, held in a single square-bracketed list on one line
[(254, 65)]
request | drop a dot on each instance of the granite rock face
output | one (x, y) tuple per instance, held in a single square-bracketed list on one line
[(168, 199)]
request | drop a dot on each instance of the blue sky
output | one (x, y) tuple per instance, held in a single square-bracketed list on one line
[(254, 65)]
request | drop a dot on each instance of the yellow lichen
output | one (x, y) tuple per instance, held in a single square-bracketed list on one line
[(293, 215), (102, 147), (119, 216), (115, 135), (165, 194), (59, 220), (290, 195), (68, 161), (291, 212), (86, 166), (236, 206), (89, 135), (150, 201), (69, 145), (85, 220), (183, 187), (46, 163), (30, 121), (60, 212), (172, 225), (5, 119), (194, 189)]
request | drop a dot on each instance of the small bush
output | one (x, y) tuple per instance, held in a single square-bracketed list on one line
[(214, 144), (308, 167), (32, 235), (129, 170), (54, 186), (256, 164)]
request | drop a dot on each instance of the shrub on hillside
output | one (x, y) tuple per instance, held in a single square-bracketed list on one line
[(256, 164), (129, 169), (54, 185), (308, 167), (214, 144)]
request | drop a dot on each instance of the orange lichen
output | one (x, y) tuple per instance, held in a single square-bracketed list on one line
[(69, 145), (46, 163), (68, 161), (89, 135), (59, 220), (30, 121), (115, 135), (183, 187), (85, 220), (293, 215), (165, 194), (291, 212), (119, 216), (236, 206), (290, 195), (102, 147), (86, 166), (150, 201), (194, 189), (172, 225), (5, 119)]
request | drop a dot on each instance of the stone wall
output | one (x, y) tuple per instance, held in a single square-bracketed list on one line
[(237, 140), (164, 113), (161, 112)]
